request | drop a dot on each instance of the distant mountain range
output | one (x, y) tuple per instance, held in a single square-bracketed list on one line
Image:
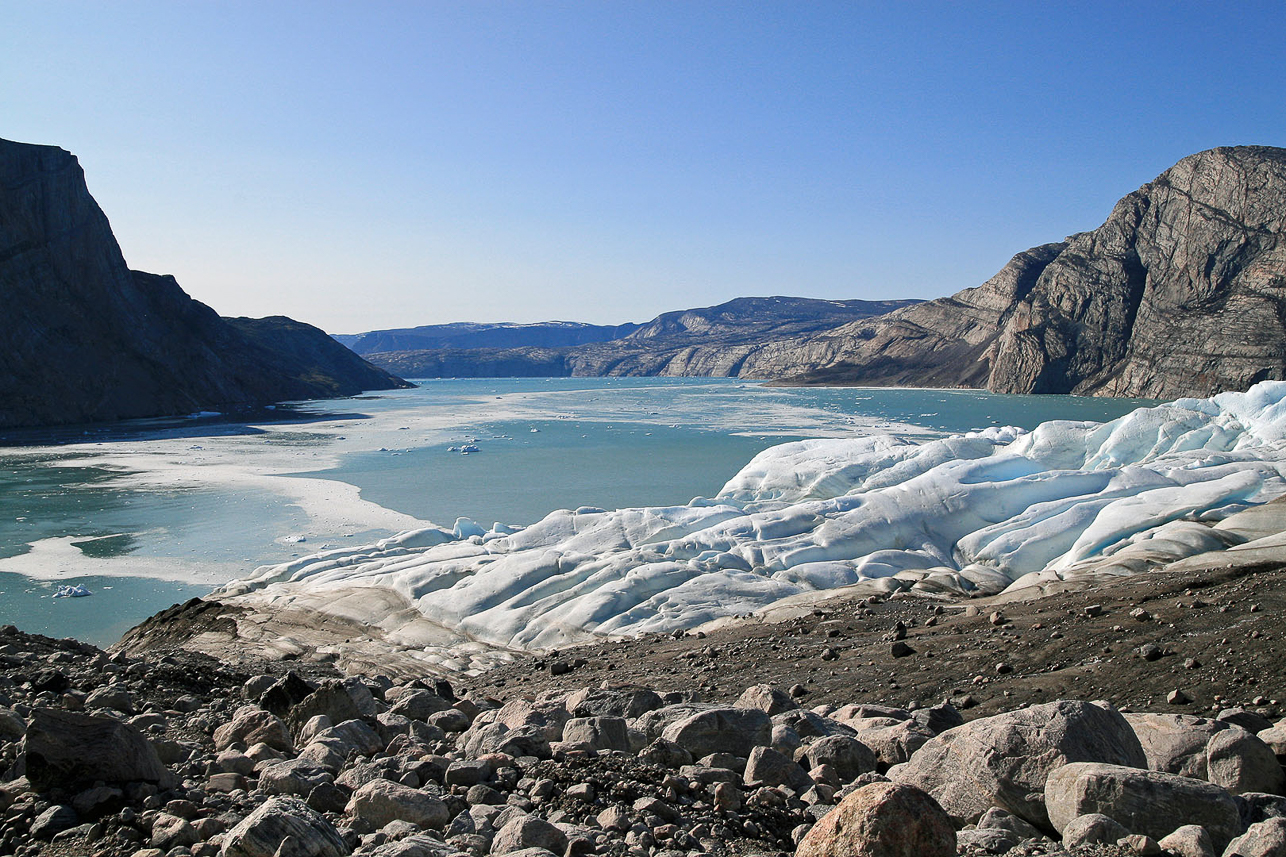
[(703, 341), (85, 339), (1181, 291)]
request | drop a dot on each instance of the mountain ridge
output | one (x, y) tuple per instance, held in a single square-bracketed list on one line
[(86, 339), (1181, 291)]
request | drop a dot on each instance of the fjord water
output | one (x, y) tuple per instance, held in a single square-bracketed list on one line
[(150, 517)]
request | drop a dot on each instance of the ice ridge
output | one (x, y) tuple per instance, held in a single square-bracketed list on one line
[(980, 513)]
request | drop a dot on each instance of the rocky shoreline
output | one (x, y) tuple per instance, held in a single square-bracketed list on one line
[(765, 737)]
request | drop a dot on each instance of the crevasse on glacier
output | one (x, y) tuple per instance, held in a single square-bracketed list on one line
[(974, 513)]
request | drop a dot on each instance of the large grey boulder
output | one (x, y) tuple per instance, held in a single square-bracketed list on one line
[(381, 801), (1191, 840), (1092, 828), (1152, 803), (895, 743), (264, 832), (766, 698), (1175, 743), (625, 701), (721, 730), (331, 698), (597, 733), (252, 725), (849, 757), (419, 704), (768, 767), (882, 820), (356, 735), (1265, 839), (1214, 750), (1241, 762), (528, 831), (1004, 760), (292, 777), (63, 748)]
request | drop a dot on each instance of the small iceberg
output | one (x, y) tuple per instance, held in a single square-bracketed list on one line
[(72, 591)]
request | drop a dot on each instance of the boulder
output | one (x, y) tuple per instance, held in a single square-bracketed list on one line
[(381, 801), (172, 831), (12, 727), (1175, 743), (597, 733), (292, 777), (263, 833), (848, 757), (1149, 802), (418, 704), (721, 730), (331, 698), (1265, 839), (528, 831), (1004, 760), (254, 725), (882, 820), (895, 743), (627, 702), (1274, 736), (1240, 762), (112, 696), (1191, 840), (765, 698), (1092, 828), (64, 749), (768, 767), (1216, 750), (356, 736)]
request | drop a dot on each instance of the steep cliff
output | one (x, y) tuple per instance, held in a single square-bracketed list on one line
[(86, 339), (1181, 292)]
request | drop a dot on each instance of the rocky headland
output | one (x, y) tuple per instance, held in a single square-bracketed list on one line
[(1180, 292), (86, 339)]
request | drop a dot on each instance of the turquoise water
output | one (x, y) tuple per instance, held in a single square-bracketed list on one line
[(150, 515)]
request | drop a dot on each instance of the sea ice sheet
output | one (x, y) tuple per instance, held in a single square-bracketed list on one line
[(975, 513)]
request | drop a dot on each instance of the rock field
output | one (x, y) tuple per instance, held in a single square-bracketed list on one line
[(1127, 719)]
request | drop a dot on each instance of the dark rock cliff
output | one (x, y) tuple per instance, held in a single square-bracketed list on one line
[(1181, 292), (85, 339)]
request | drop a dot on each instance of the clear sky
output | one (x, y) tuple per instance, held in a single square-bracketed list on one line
[(363, 165)]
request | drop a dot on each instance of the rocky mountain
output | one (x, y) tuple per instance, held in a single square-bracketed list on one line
[(705, 341), (86, 339), (1181, 292), (549, 334)]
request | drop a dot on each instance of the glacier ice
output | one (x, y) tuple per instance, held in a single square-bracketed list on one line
[(977, 513)]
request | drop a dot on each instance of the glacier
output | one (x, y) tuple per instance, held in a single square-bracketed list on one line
[(998, 511)]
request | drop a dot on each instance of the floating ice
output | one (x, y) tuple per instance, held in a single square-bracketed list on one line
[(72, 591), (976, 513)]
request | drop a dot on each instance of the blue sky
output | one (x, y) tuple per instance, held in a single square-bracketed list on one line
[(371, 165)]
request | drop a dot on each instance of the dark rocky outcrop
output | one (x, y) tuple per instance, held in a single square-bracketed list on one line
[(86, 339), (1182, 291)]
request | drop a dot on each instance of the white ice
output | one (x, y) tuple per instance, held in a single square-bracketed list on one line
[(976, 513)]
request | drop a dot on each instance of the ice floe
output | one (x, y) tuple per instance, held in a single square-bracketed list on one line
[(989, 511)]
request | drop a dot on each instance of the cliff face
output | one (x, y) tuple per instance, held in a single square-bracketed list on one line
[(86, 339), (1181, 292)]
